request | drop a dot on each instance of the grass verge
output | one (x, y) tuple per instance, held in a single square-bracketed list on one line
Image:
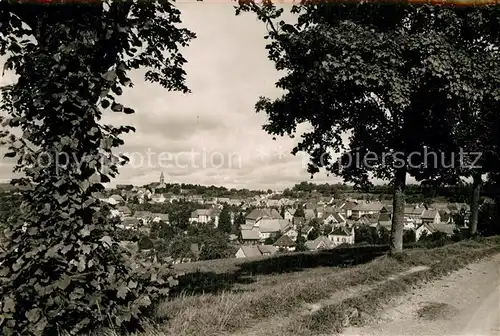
[(361, 309), (277, 295)]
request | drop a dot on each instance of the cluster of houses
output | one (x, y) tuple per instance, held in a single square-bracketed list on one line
[(142, 220), (341, 218), (265, 221)]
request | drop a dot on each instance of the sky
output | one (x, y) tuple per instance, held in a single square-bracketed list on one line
[(227, 71)]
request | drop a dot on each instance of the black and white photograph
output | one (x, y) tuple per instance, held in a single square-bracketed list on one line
[(250, 167)]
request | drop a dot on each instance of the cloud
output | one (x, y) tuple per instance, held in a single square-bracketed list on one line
[(228, 69)]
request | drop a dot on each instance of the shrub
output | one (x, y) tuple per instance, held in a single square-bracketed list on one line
[(75, 285)]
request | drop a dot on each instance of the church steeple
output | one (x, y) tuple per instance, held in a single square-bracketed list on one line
[(162, 178)]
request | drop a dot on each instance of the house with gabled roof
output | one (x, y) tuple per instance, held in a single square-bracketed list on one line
[(124, 211), (248, 252), (438, 206), (205, 216), (346, 208), (342, 235), (385, 220), (427, 229), (128, 223), (430, 228), (234, 201), (366, 208), (143, 216), (250, 236), (369, 219), (255, 251), (388, 209), (272, 203), (261, 213), (285, 243), (270, 227), (309, 214), (413, 214), (195, 199), (289, 212), (115, 199), (319, 212), (292, 233), (158, 198), (305, 231), (160, 217), (431, 216), (320, 243), (335, 219)]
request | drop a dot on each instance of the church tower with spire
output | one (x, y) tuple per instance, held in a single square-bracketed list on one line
[(162, 178)]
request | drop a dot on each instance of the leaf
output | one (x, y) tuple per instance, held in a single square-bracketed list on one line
[(42, 323), (64, 282), (85, 232), (105, 103), (144, 301), (86, 249), (33, 315), (65, 140), (9, 305), (93, 131), (107, 240), (128, 110), (61, 198), (122, 292), (117, 107), (85, 185), (132, 284), (10, 154), (110, 76), (172, 282), (82, 264)]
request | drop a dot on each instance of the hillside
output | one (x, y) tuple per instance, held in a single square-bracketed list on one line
[(314, 299)]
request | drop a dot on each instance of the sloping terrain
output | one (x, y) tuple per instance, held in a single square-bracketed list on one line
[(318, 294), (466, 302)]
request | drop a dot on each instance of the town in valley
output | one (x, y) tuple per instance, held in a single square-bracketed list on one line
[(245, 223)]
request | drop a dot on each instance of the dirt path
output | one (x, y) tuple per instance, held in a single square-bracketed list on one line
[(466, 302), (277, 325)]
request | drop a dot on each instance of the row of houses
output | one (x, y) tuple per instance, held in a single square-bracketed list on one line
[(264, 223), (144, 195), (338, 236)]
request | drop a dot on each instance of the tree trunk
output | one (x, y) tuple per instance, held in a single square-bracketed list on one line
[(474, 207), (398, 211)]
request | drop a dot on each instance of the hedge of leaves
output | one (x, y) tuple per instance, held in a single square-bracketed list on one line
[(62, 271)]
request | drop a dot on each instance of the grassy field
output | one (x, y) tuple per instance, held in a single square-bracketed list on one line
[(228, 296)]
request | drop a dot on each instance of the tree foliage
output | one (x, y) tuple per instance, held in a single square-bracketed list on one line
[(381, 74), (299, 212), (163, 231), (315, 233), (367, 234), (225, 220), (489, 219), (9, 207), (300, 242), (213, 244), (66, 273)]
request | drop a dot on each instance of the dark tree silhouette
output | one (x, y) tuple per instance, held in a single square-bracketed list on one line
[(379, 72), (72, 60)]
